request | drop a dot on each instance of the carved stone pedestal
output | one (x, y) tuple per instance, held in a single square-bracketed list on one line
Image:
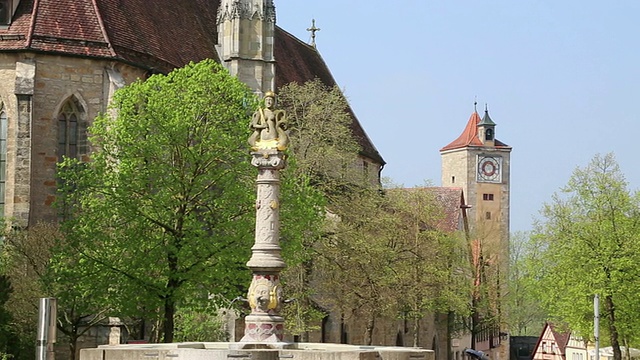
[(265, 324)]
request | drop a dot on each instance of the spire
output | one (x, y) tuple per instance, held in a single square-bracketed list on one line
[(313, 30), (477, 133), (486, 120)]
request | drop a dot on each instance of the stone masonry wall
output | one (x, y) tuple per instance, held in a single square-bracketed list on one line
[(31, 181)]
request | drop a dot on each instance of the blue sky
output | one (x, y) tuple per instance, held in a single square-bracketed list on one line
[(561, 80)]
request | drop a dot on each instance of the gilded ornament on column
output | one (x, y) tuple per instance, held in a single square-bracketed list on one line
[(269, 126)]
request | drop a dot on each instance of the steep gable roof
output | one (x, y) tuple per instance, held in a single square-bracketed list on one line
[(299, 62), (452, 202), (165, 31), (469, 136), (157, 37), (561, 338)]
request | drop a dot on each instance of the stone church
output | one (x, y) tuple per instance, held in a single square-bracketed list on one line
[(62, 60)]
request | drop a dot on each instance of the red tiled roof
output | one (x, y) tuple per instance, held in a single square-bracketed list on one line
[(450, 201), (562, 338), (469, 136), (164, 31), (158, 36), (298, 62)]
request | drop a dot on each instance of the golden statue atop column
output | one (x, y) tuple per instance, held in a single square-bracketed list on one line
[(269, 126)]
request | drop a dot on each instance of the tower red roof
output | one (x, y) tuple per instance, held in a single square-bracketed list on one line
[(469, 136)]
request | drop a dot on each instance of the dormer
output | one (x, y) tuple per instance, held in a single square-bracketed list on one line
[(487, 130), (7, 10)]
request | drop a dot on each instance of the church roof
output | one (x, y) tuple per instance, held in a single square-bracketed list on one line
[(157, 37), (299, 62), (469, 136)]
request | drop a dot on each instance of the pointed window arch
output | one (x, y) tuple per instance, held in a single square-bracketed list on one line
[(4, 125), (72, 135)]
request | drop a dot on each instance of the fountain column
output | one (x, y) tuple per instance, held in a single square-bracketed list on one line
[(269, 139)]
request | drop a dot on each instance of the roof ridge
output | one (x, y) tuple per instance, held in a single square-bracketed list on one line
[(298, 40), (102, 27)]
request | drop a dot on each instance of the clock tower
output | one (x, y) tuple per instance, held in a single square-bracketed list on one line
[(479, 164)]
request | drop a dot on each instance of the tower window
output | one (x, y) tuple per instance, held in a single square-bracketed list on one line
[(453, 179), (487, 215), (487, 197), (488, 135)]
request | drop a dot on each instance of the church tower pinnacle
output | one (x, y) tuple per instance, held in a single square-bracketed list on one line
[(486, 129), (245, 41)]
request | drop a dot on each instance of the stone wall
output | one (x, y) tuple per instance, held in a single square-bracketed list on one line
[(33, 88)]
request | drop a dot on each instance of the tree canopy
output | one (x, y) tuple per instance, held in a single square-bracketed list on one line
[(589, 240), (163, 212)]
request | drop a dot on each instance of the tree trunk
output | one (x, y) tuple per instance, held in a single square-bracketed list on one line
[(613, 330), (73, 340), (169, 311), (172, 287), (416, 330), (475, 322), (368, 337)]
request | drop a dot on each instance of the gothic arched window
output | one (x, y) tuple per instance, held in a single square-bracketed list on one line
[(71, 130), (4, 124)]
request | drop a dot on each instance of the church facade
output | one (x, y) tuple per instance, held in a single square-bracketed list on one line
[(61, 62)]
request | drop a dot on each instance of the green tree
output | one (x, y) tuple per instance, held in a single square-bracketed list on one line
[(323, 154), (28, 255), (432, 270), (323, 144), (163, 213), (5, 317), (356, 267), (524, 312), (590, 240)]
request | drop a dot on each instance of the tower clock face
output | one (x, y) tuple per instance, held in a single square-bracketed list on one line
[(489, 169)]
